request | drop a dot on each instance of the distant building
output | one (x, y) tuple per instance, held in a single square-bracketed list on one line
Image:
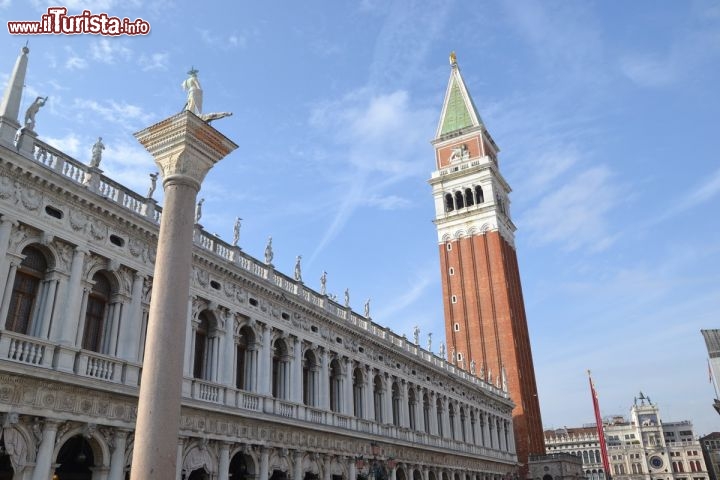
[(711, 453), (712, 341), (556, 466), (642, 448)]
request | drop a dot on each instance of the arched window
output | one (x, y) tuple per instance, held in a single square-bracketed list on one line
[(25, 290), (311, 368), (479, 196), (440, 412), (426, 413), (336, 384), (246, 360), (358, 392), (462, 425), (201, 364), (281, 370), (378, 392), (96, 315), (395, 404), (449, 205), (412, 407), (459, 200), (585, 458), (469, 197)]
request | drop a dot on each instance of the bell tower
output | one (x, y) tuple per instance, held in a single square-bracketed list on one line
[(485, 325)]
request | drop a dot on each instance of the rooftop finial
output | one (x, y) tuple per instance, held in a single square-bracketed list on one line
[(453, 59)]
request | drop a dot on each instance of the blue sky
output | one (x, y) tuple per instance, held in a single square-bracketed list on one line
[(606, 114)]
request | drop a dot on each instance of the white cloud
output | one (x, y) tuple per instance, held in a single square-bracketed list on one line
[(75, 62), (154, 61), (124, 114), (69, 144), (224, 41), (574, 215), (109, 50), (381, 135)]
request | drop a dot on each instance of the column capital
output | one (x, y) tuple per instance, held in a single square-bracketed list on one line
[(9, 219), (184, 148)]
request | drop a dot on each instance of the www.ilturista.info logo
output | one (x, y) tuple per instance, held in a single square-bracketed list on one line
[(57, 22)]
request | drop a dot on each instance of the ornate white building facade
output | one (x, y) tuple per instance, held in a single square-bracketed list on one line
[(641, 448), (279, 381)]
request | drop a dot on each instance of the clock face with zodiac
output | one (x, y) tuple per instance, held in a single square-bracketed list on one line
[(656, 462)]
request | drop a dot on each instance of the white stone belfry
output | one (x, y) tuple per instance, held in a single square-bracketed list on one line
[(185, 148)]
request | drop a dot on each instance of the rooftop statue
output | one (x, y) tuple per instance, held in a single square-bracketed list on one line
[(97, 149), (32, 110), (195, 94)]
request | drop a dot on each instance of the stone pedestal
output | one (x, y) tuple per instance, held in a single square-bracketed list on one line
[(185, 148)]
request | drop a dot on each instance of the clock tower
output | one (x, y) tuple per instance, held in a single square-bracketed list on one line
[(485, 325)]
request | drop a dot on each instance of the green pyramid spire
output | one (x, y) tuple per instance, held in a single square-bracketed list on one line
[(459, 110)]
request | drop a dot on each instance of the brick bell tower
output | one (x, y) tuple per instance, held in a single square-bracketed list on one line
[(485, 325)]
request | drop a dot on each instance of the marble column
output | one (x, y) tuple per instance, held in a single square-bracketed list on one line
[(44, 459), (7, 294), (117, 459), (298, 465), (184, 148), (69, 324), (352, 468), (369, 394), (6, 225), (224, 462), (129, 341), (180, 446), (264, 366), (264, 463), (324, 382)]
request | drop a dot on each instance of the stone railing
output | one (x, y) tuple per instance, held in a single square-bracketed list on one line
[(23, 349), (92, 179), (458, 167)]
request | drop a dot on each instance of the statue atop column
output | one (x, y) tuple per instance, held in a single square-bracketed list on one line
[(442, 350), (347, 297), (32, 111), (97, 150), (472, 367), (367, 308), (416, 335), (194, 92)]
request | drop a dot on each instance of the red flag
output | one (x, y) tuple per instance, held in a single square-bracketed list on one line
[(601, 432), (709, 371)]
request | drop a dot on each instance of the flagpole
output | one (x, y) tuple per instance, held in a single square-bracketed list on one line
[(600, 430), (712, 379)]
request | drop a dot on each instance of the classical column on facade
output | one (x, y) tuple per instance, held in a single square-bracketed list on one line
[(264, 463), (179, 448), (184, 148), (369, 394), (117, 458), (485, 426), (264, 367), (129, 340), (387, 399), (433, 414), (295, 379), (326, 464), (6, 225), (44, 460), (352, 468), (404, 405), (298, 465), (348, 394), (511, 438), (65, 326), (224, 461), (324, 380), (10, 104), (447, 433), (189, 339), (7, 293), (229, 361)]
